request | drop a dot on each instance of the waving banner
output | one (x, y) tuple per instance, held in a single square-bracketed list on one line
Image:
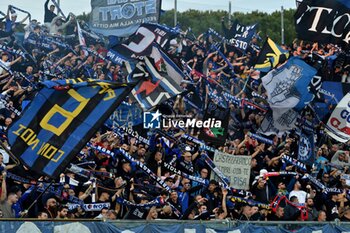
[(122, 17), (270, 56), (339, 122), (287, 87), (141, 42), (156, 86), (323, 21), (279, 126), (60, 120), (125, 115), (332, 92), (238, 29), (215, 134), (243, 36), (306, 153)]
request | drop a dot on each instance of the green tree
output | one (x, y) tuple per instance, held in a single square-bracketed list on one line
[(268, 24), (84, 16)]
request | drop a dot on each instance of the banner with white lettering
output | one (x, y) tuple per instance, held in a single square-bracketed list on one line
[(122, 17), (244, 35), (339, 122), (323, 21), (234, 167), (90, 207)]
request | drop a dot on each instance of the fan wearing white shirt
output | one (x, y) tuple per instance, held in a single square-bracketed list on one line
[(300, 194), (4, 62)]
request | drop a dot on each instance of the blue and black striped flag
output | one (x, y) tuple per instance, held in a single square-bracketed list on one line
[(63, 116)]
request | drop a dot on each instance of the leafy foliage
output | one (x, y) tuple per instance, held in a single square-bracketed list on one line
[(200, 21), (269, 24)]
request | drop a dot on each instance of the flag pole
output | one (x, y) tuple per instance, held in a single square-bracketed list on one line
[(175, 13), (282, 25), (36, 199), (229, 13), (17, 162)]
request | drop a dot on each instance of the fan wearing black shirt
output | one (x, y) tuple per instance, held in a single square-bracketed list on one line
[(49, 12)]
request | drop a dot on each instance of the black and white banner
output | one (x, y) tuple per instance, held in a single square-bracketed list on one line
[(141, 42), (339, 122), (244, 35), (90, 207), (323, 21), (122, 17), (294, 162)]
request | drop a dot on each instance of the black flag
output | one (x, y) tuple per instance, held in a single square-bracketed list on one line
[(323, 21)]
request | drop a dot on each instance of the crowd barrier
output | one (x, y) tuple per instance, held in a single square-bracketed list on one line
[(168, 226)]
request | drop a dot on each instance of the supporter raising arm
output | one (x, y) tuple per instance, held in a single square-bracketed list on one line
[(11, 24), (221, 212), (8, 64), (3, 187), (49, 12), (57, 24)]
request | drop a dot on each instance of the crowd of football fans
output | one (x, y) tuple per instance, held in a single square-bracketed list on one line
[(188, 199)]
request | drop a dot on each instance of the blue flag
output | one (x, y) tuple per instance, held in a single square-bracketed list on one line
[(306, 153), (126, 115), (332, 93), (243, 37), (63, 116), (122, 18), (288, 92)]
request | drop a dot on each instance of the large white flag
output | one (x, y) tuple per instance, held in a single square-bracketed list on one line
[(164, 63), (338, 125), (80, 35), (288, 93)]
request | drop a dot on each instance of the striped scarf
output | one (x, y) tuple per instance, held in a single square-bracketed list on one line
[(145, 169)]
